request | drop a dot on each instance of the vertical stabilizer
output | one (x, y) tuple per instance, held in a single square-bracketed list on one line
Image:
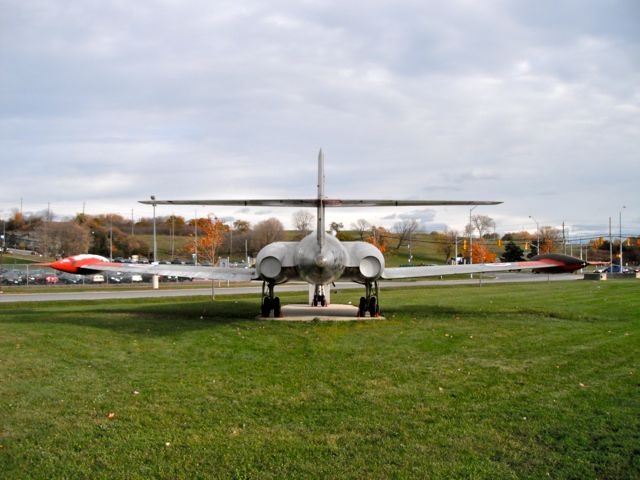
[(320, 216)]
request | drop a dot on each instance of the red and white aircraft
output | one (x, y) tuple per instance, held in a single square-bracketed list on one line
[(319, 259)]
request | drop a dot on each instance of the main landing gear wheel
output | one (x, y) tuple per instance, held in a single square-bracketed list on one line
[(369, 303), (270, 303), (362, 307)]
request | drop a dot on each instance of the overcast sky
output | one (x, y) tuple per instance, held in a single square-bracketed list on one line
[(535, 103)]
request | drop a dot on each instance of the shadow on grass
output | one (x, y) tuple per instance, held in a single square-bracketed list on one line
[(144, 319)]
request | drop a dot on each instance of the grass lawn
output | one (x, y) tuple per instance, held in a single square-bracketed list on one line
[(498, 381)]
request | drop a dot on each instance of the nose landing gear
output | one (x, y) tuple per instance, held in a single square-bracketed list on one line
[(369, 303), (270, 303), (319, 297)]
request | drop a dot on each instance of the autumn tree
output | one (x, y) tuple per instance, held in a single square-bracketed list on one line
[(302, 221), (405, 229), (481, 253), (211, 232), (266, 232), (361, 226), (378, 238), (241, 226)]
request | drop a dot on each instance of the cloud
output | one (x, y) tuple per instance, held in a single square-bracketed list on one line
[(110, 103)]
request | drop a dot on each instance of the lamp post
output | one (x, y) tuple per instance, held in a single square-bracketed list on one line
[(155, 281), (537, 235), (155, 243), (471, 236), (623, 207), (4, 242)]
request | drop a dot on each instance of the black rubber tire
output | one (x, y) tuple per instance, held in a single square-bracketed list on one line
[(323, 301), (277, 310), (362, 307), (373, 306), (265, 309)]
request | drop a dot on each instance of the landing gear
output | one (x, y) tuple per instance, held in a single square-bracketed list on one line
[(270, 303), (319, 297), (369, 303)]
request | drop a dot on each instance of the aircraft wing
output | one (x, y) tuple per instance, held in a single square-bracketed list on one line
[(189, 271), (438, 270), (313, 202)]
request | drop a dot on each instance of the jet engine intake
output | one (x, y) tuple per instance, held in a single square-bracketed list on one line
[(271, 262), (370, 267)]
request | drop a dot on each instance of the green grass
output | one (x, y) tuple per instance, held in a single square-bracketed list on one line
[(502, 381)]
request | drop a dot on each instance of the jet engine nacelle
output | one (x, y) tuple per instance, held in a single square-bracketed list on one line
[(273, 262), (366, 262)]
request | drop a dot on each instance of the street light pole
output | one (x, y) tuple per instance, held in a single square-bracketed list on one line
[(155, 242), (623, 207), (471, 236), (537, 235), (111, 238)]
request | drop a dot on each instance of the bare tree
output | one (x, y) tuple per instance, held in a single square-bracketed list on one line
[(448, 243), (404, 229), (266, 232), (482, 223), (361, 226), (64, 238), (302, 221)]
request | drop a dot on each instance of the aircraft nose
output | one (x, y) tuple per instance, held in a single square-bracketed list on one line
[(321, 261)]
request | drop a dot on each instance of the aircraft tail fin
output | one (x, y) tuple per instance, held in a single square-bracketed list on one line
[(320, 214)]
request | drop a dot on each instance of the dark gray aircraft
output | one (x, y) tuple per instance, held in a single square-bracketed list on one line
[(318, 259)]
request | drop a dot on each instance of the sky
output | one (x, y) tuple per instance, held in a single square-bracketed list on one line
[(536, 104)]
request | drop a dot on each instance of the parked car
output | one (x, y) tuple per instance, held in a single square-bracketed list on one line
[(97, 278), (70, 278), (613, 269)]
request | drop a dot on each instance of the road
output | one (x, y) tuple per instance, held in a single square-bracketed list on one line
[(166, 292)]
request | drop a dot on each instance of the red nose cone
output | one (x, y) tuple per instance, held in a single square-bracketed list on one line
[(64, 265)]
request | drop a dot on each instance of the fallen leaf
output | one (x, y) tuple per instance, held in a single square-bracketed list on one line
[(111, 415), (583, 385), (136, 392)]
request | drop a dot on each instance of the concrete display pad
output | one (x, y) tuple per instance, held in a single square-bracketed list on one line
[(332, 313)]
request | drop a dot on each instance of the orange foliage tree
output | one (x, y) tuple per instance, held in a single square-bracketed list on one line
[(378, 238), (481, 254), (211, 232)]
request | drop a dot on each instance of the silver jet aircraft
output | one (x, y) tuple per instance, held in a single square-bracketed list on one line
[(318, 259)]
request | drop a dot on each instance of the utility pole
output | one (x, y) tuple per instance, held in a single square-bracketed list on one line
[(623, 207), (564, 241), (4, 242), (195, 227), (456, 250), (471, 236), (155, 281), (173, 229), (537, 235), (610, 248), (155, 241), (110, 238)]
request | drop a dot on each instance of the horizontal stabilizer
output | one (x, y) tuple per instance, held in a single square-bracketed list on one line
[(314, 202)]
